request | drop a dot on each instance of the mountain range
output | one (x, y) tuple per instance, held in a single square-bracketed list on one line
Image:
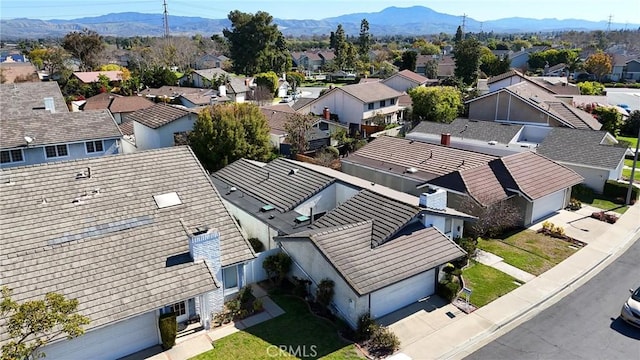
[(415, 20)]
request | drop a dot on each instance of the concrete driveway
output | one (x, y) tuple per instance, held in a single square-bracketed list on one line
[(578, 224)]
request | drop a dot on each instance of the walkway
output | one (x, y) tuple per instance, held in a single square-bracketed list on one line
[(496, 262)]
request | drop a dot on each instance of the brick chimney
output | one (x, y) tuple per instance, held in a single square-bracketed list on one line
[(445, 139), (326, 114), (435, 199)]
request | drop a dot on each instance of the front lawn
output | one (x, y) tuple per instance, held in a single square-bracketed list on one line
[(486, 283), (529, 251), (600, 201), (297, 330), (626, 174), (631, 140)]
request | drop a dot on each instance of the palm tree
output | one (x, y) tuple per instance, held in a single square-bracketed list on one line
[(573, 64)]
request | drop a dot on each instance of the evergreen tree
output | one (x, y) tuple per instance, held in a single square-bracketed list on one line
[(340, 47), (409, 59), (466, 55), (364, 40), (459, 35)]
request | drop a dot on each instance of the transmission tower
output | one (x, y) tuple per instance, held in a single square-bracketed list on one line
[(464, 22), (166, 20), (609, 23)]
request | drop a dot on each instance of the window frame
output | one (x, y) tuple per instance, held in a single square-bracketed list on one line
[(370, 106), (11, 157), (383, 103), (225, 277), (392, 101), (56, 147), (181, 306), (94, 143)]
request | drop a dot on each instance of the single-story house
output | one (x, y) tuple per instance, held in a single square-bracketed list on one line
[(130, 237), (118, 105), (161, 125), (204, 78)]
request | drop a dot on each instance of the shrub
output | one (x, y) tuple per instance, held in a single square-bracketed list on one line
[(245, 295), (614, 189), (383, 341), (583, 193), (603, 216), (468, 244), (363, 331), (277, 266), (324, 294), (448, 289), (257, 305), (548, 228), (256, 244), (168, 329), (300, 287), (575, 204)]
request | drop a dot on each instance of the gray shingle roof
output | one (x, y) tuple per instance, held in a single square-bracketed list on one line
[(581, 147), (470, 129), (211, 73), (280, 183), (370, 92), (24, 99), (388, 215), (348, 248), (47, 128), (118, 267), (157, 115)]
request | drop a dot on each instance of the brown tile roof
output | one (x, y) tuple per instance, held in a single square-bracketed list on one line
[(348, 249), (126, 104), (370, 92), (417, 78), (395, 155), (505, 75), (126, 127), (158, 115), (169, 91), (100, 101)]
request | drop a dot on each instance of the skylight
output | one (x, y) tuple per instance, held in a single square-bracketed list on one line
[(167, 200), (267, 208)]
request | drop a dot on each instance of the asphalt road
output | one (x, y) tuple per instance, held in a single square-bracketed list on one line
[(630, 97), (583, 325)]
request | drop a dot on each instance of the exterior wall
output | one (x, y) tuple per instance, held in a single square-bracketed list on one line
[(148, 138), (276, 140), (504, 107), (593, 178), (206, 247), (253, 270), (253, 227), (36, 154), (309, 263), (348, 109), (632, 70), (128, 147), (395, 182), (400, 83), (501, 84)]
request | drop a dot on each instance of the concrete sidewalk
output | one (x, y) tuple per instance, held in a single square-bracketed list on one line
[(458, 338)]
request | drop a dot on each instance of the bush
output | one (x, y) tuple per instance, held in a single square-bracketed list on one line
[(277, 266), (575, 204), (550, 229), (614, 189), (245, 295), (257, 305), (256, 244), (603, 216), (582, 193), (363, 331), (468, 244), (300, 287), (168, 329), (324, 294), (382, 341), (448, 289)]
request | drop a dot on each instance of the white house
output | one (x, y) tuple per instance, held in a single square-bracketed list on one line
[(406, 80), (161, 125)]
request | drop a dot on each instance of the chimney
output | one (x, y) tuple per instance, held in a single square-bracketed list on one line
[(222, 90), (326, 114), (435, 199), (205, 248), (445, 139), (49, 104)]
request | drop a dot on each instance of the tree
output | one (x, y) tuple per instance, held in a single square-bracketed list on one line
[(493, 65), (269, 80), (158, 76), (34, 323), (409, 59), (573, 63), (340, 47), (431, 69), (436, 103), (493, 220), (598, 64), (255, 43), (364, 39), (459, 35), (631, 125), (297, 127), (225, 133), (591, 88), (610, 119), (86, 46), (466, 55)]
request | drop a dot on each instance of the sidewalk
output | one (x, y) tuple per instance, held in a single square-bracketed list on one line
[(461, 337)]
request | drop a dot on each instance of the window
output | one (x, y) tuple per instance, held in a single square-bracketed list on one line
[(370, 106), (392, 101), (94, 146), (181, 138), (179, 308), (9, 156), (447, 225), (383, 103), (230, 277), (56, 151)]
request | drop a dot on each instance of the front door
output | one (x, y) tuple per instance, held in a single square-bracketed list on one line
[(182, 311)]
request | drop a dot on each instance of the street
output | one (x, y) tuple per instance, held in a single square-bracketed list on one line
[(583, 325), (630, 97)]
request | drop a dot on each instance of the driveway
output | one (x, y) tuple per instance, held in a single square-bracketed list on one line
[(577, 224)]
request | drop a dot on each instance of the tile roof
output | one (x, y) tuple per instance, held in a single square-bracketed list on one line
[(370, 92), (277, 119), (279, 183), (505, 75), (388, 215), (577, 118), (89, 77), (158, 115), (126, 127), (581, 147), (23, 99), (395, 155), (471, 129), (169, 91), (117, 267), (100, 101), (127, 104), (211, 73), (408, 74), (555, 84), (347, 248), (47, 128)]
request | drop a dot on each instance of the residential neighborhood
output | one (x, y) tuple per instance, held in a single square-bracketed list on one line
[(336, 195)]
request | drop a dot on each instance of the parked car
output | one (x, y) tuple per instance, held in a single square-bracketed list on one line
[(631, 309)]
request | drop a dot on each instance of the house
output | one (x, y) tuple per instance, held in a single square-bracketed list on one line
[(358, 104), (208, 61), (205, 78), (552, 84), (130, 237), (318, 137), (535, 185), (307, 210), (38, 128), (528, 103), (625, 68), (90, 77), (118, 105), (632, 70), (168, 93), (446, 67), (406, 80), (161, 125), (594, 155)]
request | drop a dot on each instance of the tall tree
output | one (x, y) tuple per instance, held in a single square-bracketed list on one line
[(85, 45), (364, 39), (340, 47), (409, 59), (459, 35), (297, 128), (573, 63), (466, 55), (255, 43), (225, 133), (599, 64), (436, 103), (34, 323)]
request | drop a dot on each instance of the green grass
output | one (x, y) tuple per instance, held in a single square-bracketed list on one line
[(608, 205), (629, 162), (626, 174), (633, 141), (486, 283), (296, 329), (529, 251)]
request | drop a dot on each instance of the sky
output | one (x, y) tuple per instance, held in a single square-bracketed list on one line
[(621, 11)]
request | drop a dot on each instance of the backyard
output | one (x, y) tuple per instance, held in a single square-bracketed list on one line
[(297, 330), (487, 283)]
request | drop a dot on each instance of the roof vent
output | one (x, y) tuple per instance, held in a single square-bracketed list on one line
[(301, 219), (493, 142), (85, 174), (411, 170), (167, 200), (232, 189), (267, 208), (293, 171)]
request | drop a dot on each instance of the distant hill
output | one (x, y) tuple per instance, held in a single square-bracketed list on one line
[(415, 20)]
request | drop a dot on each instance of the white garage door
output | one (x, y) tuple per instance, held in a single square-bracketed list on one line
[(111, 342), (547, 205), (401, 294)]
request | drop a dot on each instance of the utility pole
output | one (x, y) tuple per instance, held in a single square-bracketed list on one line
[(166, 20), (609, 24), (464, 22), (633, 171)]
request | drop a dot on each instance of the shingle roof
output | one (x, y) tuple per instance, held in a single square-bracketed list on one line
[(370, 92), (301, 102), (279, 183), (118, 266), (348, 248), (169, 91), (24, 99), (211, 73), (470, 129), (395, 155), (388, 215), (47, 128), (277, 119), (408, 74), (89, 77), (158, 115), (581, 147), (100, 101)]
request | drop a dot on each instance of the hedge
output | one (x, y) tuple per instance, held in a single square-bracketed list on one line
[(614, 189), (168, 329)]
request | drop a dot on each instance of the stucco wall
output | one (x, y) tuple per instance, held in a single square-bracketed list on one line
[(593, 178), (36, 155), (395, 182), (147, 138), (509, 109), (399, 83), (253, 227)]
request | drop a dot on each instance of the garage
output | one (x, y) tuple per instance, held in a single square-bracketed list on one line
[(547, 205), (110, 342), (406, 292)]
